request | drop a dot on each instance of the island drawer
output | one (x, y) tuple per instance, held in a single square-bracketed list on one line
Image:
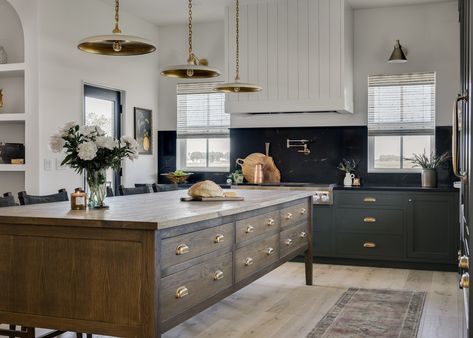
[(295, 214), (187, 288), (367, 199), (253, 257), (179, 249), (293, 239), (250, 228), (369, 220), (375, 246)]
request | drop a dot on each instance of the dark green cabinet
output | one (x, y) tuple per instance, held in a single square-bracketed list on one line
[(322, 232)]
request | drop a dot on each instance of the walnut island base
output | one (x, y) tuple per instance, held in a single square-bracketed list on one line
[(148, 263)]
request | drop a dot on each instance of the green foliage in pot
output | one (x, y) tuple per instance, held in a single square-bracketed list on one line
[(431, 161)]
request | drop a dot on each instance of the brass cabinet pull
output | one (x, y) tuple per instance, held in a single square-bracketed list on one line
[(288, 215), (369, 220), (270, 222), (219, 238), (182, 249), (465, 281), (463, 262), (369, 245), (303, 211), (218, 275), (455, 131), (369, 200), (303, 234), (249, 229), (288, 241), (248, 261), (270, 251), (181, 292)]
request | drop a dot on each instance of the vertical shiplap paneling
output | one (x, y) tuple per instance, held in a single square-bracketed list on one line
[(282, 50), (244, 49), (324, 47), (293, 46), (335, 48), (262, 51), (273, 71), (303, 50), (252, 47), (314, 60)]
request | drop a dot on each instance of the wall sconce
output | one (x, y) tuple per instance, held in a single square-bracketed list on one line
[(399, 54)]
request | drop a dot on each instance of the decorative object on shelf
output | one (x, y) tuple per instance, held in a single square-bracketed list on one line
[(271, 173), (429, 164), (177, 177), (116, 44), (195, 67), (237, 86), (299, 144), (79, 199), (3, 56), (399, 54), (12, 152), (144, 130), (356, 181), (348, 167), (1, 97), (90, 151)]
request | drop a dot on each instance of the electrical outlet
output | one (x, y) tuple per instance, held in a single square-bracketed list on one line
[(48, 164)]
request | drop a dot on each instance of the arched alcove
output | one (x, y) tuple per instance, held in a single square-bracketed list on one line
[(11, 33)]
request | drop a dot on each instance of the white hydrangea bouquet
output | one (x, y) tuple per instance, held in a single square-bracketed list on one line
[(90, 151)]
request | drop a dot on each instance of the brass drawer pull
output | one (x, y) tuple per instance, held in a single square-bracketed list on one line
[(218, 275), (182, 292), (288, 215), (463, 262), (369, 245), (219, 238), (369, 200), (303, 211), (303, 234), (465, 281), (270, 251), (249, 229), (369, 220), (270, 222), (182, 249), (249, 261), (288, 241)]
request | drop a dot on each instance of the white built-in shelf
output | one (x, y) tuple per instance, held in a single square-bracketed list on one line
[(12, 69), (20, 117), (12, 167)]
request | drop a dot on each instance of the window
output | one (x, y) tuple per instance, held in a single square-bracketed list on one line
[(203, 136), (401, 120)]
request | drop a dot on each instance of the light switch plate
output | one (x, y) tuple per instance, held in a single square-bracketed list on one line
[(47, 164)]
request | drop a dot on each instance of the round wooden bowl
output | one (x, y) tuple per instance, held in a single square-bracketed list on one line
[(177, 179)]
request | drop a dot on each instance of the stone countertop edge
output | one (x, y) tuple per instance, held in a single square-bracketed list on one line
[(399, 188)]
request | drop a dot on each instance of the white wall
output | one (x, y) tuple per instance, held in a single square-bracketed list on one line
[(63, 69), (208, 42)]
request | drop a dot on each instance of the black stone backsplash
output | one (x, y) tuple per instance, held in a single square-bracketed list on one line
[(328, 145)]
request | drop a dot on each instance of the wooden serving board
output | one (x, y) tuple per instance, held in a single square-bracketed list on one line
[(212, 199)]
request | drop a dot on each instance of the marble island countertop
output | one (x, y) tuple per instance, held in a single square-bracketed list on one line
[(148, 211)]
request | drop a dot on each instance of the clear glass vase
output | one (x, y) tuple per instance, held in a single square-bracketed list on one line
[(97, 182)]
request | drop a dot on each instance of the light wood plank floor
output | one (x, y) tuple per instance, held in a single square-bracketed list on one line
[(281, 305)]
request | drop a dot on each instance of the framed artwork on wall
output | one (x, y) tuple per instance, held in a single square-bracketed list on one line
[(144, 130)]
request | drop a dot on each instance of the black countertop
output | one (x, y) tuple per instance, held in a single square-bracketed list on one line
[(398, 188)]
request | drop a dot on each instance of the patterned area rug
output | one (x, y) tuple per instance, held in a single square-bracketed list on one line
[(361, 313)]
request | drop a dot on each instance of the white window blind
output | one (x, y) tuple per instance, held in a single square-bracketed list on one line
[(201, 111), (401, 104)]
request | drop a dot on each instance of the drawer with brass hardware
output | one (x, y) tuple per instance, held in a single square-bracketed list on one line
[(369, 220), (182, 248), (250, 228), (367, 199), (293, 239), (255, 256), (294, 214), (374, 246), (186, 288)]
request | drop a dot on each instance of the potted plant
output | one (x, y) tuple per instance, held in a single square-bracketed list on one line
[(348, 167), (429, 164)]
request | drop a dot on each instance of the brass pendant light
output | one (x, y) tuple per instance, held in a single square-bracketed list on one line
[(195, 68), (116, 44), (399, 54), (237, 86)]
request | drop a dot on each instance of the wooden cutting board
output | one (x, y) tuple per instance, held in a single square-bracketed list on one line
[(271, 173), (211, 199)]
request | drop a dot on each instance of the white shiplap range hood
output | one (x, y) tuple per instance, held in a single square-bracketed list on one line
[(299, 51)]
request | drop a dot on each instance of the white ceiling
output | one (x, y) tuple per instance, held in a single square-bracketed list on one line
[(165, 12)]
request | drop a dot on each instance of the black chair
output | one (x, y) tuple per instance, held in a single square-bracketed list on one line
[(7, 200), (26, 199), (110, 192), (133, 191), (162, 187)]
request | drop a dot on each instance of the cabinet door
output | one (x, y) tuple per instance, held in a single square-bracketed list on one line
[(432, 229), (322, 234)]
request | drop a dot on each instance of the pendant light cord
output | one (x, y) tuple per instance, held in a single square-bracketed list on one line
[(237, 16), (190, 27), (117, 30)]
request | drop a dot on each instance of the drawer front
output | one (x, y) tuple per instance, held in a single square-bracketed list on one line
[(295, 214), (372, 220), (293, 239), (187, 288), (368, 199), (176, 250), (252, 227), (369, 245), (253, 257)]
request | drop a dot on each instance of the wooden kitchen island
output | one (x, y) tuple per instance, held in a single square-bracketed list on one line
[(148, 263)]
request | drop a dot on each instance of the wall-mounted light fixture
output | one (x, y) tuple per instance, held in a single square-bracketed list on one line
[(399, 54)]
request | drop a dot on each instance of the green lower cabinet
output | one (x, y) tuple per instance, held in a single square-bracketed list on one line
[(322, 231)]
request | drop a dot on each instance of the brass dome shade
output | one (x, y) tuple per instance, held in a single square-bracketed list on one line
[(116, 44), (237, 86), (195, 68), (399, 54)]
